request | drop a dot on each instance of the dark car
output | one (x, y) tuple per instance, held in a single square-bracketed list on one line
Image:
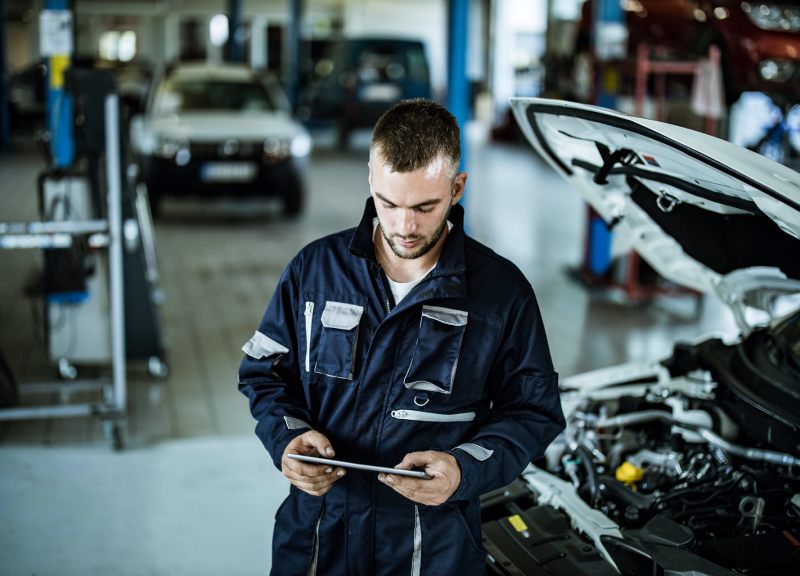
[(220, 130), (361, 79), (760, 42)]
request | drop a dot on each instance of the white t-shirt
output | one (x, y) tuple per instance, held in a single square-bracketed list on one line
[(401, 289)]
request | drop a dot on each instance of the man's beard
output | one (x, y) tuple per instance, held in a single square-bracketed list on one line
[(426, 247)]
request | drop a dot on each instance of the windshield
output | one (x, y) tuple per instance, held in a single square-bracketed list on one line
[(182, 95)]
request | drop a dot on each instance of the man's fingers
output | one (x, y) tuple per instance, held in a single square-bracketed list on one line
[(306, 483), (306, 469), (321, 443), (397, 481), (332, 476), (415, 459)]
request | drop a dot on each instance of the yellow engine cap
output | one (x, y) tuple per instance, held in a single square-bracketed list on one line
[(629, 473)]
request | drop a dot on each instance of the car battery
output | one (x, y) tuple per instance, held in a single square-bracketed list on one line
[(539, 541)]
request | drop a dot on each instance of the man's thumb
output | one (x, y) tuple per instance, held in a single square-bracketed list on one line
[(321, 443)]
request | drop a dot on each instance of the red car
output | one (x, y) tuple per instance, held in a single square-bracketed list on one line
[(760, 42)]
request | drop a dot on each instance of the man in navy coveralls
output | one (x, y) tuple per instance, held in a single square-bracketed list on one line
[(402, 343)]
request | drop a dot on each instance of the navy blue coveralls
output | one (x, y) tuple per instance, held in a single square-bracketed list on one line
[(461, 365)]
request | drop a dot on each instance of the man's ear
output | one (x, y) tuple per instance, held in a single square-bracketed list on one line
[(369, 178), (459, 184)]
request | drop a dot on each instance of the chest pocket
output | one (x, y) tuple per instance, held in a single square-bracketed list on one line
[(335, 354), (435, 361)]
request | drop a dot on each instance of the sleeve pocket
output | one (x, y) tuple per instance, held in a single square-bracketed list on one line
[(337, 344), (262, 346)]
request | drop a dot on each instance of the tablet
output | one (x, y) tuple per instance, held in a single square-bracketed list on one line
[(329, 462)]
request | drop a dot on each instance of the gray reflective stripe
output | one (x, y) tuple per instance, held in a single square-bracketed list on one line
[(432, 416), (312, 569), (262, 346), (341, 316), (416, 556), (309, 317), (478, 452), (295, 423), (446, 315)]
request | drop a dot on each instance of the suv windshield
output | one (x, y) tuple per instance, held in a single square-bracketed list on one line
[(182, 95)]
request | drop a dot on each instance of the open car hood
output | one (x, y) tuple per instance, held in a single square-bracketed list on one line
[(705, 213)]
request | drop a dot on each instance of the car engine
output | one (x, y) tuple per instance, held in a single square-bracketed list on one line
[(663, 469)]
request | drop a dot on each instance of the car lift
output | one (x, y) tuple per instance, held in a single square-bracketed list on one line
[(100, 233)]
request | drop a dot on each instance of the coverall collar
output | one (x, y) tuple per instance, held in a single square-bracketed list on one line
[(451, 260)]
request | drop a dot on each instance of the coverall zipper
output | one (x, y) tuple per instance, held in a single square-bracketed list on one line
[(432, 416), (309, 318)]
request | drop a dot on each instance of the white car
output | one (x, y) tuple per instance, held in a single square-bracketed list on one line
[(688, 465), (220, 130)]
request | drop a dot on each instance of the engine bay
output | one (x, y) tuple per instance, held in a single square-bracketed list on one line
[(678, 467)]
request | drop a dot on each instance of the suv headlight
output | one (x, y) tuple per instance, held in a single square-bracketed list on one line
[(301, 145), (776, 70), (276, 148), (773, 16)]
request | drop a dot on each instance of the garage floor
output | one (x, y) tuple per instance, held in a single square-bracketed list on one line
[(194, 493)]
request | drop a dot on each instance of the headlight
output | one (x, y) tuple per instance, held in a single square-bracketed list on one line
[(166, 147), (773, 16), (276, 148), (776, 70), (301, 145)]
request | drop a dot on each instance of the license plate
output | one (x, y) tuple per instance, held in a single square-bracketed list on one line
[(228, 172), (380, 93)]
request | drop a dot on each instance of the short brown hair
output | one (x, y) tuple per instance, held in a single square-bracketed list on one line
[(414, 133)]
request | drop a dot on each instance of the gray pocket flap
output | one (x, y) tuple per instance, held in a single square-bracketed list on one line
[(341, 316), (445, 315)]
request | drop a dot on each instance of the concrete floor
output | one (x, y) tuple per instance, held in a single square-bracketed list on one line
[(195, 493)]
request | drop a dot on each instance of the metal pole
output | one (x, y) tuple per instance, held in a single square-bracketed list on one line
[(5, 131), (235, 31), (293, 52), (115, 250), (59, 103), (458, 85)]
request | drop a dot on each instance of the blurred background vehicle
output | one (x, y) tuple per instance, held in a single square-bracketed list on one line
[(213, 130), (759, 41), (358, 80)]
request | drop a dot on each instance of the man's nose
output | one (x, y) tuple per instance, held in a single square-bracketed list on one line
[(408, 222)]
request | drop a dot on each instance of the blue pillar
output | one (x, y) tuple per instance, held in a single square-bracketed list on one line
[(235, 31), (458, 85), (293, 52), (59, 103), (606, 13), (5, 131)]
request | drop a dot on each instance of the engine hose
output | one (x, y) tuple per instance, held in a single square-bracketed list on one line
[(721, 457), (618, 491), (740, 451), (591, 474)]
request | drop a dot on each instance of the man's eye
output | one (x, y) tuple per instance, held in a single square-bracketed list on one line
[(387, 206), (424, 210)]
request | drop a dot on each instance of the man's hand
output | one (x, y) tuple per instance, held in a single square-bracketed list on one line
[(314, 479), (444, 470)]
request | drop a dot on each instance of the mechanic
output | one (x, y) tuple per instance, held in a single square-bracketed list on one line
[(400, 343)]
